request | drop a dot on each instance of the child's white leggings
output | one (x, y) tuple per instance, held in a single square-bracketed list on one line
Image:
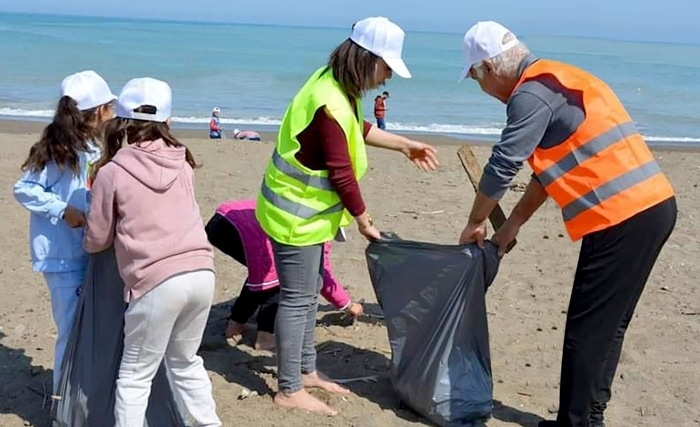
[(167, 322)]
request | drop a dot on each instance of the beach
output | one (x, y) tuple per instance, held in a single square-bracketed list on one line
[(657, 379)]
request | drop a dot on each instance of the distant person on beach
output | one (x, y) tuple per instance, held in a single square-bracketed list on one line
[(143, 203), (234, 230), (215, 130), (54, 189), (380, 109), (310, 190), (587, 155), (246, 135)]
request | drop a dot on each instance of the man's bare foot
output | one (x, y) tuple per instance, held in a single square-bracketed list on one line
[(319, 380), (234, 332), (302, 400), (265, 341)]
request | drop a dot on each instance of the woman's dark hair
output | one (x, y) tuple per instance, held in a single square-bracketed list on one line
[(118, 131), (354, 67), (62, 141)]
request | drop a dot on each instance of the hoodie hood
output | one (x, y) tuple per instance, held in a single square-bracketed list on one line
[(153, 163)]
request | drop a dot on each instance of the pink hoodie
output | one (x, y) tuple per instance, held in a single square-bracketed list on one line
[(145, 196), (260, 259)]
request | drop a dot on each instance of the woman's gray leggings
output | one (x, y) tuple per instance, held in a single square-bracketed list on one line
[(300, 272)]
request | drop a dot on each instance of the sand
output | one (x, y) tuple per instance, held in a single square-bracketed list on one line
[(657, 380)]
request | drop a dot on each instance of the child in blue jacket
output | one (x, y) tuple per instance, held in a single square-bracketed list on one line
[(54, 188)]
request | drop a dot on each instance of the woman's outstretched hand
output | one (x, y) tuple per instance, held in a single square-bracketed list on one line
[(422, 155)]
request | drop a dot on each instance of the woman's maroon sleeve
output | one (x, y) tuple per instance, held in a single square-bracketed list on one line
[(334, 145)]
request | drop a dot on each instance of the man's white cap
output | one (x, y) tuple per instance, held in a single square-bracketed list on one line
[(483, 41), (145, 91), (88, 89), (216, 110), (383, 38)]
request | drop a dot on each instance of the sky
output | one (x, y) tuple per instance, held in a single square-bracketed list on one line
[(643, 20)]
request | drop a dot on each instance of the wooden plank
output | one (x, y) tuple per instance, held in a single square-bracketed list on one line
[(474, 171)]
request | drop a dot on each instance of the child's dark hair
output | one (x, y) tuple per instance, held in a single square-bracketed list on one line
[(63, 139), (118, 131)]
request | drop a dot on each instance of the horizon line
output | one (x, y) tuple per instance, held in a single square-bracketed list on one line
[(337, 27)]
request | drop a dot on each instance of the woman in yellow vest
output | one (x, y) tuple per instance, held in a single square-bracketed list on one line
[(310, 190), (587, 155)]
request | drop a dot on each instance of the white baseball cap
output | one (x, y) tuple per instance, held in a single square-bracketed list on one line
[(383, 38), (216, 110), (483, 41), (145, 91), (88, 89)]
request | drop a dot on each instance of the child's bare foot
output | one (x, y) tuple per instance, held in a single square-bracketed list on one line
[(265, 341), (303, 400), (318, 380), (234, 332)]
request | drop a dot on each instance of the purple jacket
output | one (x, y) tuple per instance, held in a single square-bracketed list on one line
[(262, 274)]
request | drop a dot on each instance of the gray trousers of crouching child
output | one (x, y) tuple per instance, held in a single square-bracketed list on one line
[(300, 272)]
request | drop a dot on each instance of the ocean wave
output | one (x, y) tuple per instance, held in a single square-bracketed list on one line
[(265, 121), (490, 131), (444, 128), (17, 112), (401, 127), (671, 139)]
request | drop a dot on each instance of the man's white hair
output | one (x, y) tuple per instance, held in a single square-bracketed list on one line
[(506, 64)]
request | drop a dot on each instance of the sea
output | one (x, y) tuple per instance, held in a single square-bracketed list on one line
[(252, 71)]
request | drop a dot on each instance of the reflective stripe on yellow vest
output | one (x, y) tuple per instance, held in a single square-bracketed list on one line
[(298, 206), (603, 173)]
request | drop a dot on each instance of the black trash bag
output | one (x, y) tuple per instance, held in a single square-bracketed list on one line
[(87, 383), (433, 299)]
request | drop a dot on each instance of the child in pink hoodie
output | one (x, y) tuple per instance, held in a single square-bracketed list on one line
[(143, 202), (234, 230)]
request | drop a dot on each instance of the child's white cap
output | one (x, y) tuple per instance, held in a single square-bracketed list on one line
[(216, 110), (145, 91), (383, 38), (88, 89)]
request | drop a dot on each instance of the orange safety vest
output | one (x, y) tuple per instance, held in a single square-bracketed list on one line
[(379, 107), (603, 173)]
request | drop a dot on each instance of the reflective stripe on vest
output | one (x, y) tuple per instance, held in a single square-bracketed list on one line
[(603, 173), (294, 208), (320, 182), (585, 152), (615, 186)]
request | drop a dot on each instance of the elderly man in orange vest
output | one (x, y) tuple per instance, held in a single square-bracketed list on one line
[(587, 155)]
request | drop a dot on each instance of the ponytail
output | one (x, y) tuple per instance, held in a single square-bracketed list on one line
[(63, 139)]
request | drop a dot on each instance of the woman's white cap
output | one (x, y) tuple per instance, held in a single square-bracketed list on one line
[(383, 38), (88, 89), (145, 91)]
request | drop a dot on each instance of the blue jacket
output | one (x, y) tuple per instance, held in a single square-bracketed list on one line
[(54, 246)]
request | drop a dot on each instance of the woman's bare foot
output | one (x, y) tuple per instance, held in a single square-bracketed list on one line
[(318, 380), (265, 341), (234, 332), (303, 400)]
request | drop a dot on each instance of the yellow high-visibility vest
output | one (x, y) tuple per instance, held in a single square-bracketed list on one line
[(298, 206)]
